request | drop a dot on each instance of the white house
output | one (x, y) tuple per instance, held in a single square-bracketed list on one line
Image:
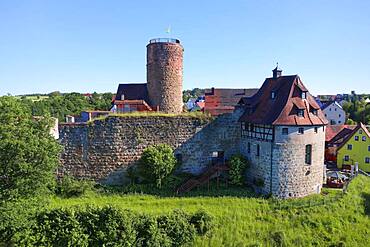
[(334, 113)]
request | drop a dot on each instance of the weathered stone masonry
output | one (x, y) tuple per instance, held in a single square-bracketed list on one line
[(104, 149)]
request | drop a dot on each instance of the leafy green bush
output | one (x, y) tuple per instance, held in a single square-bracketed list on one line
[(177, 226), (202, 221), (71, 187), (148, 233), (107, 226), (59, 227), (156, 163), (238, 165)]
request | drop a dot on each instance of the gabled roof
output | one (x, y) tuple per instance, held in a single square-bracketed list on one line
[(354, 131), (261, 108), (334, 133), (323, 107), (228, 96), (133, 91)]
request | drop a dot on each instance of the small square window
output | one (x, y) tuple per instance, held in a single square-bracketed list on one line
[(314, 112), (300, 130), (349, 146), (340, 115), (249, 147), (367, 160), (300, 113), (339, 121), (346, 158), (304, 95), (258, 150), (368, 148), (364, 138), (285, 131), (356, 138), (315, 129), (273, 95), (335, 109), (360, 132)]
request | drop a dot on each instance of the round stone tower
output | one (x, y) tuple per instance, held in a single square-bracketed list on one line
[(164, 74)]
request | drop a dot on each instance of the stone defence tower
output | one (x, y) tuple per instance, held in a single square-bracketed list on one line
[(164, 74)]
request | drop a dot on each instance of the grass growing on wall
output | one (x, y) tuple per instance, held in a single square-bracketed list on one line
[(251, 221), (198, 115)]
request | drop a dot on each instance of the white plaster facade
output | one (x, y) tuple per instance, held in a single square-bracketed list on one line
[(334, 113)]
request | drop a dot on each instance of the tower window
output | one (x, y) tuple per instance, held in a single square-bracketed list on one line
[(258, 150), (285, 131), (315, 129), (308, 156), (273, 95), (304, 95), (300, 130), (300, 113)]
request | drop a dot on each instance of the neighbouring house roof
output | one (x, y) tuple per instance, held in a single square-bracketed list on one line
[(334, 133), (323, 107), (133, 91), (354, 131), (261, 108), (134, 103), (222, 100)]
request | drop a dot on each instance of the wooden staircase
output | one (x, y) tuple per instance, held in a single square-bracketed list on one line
[(211, 172)]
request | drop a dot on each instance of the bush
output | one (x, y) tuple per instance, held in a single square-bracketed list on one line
[(107, 226), (59, 227), (148, 233), (238, 165), (156, 163), (71, 187), (202, 221), (178, 228)]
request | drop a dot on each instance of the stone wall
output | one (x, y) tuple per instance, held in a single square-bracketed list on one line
[(102, 150)]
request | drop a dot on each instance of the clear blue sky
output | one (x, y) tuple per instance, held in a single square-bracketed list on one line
[(92, 45)]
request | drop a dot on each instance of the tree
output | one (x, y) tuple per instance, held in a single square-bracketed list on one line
[(28, 158), (156, 163), (238, 165)]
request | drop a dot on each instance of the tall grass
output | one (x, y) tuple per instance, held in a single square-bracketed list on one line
[(252, 221)]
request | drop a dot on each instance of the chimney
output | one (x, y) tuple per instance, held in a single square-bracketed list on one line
[(276, 72)]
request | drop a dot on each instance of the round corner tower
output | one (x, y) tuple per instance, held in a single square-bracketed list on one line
[(164, 74)]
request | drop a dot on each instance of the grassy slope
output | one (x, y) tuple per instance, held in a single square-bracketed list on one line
[(261, 222)]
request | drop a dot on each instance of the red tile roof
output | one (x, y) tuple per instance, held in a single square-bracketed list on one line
[(335, 132), (261, 108)]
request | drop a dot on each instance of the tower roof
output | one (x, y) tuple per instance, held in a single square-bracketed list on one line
[(283, 107)]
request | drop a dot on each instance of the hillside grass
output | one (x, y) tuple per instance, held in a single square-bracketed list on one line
[(244, 220)]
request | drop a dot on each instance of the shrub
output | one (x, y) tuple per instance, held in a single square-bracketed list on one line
[(202, 221), (156, 163), (238, 165), (71, 187), (59, 227), (178, 228), (107, 226), (148, 233)]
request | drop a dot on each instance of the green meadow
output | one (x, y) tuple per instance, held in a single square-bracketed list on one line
[(329, 219)]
